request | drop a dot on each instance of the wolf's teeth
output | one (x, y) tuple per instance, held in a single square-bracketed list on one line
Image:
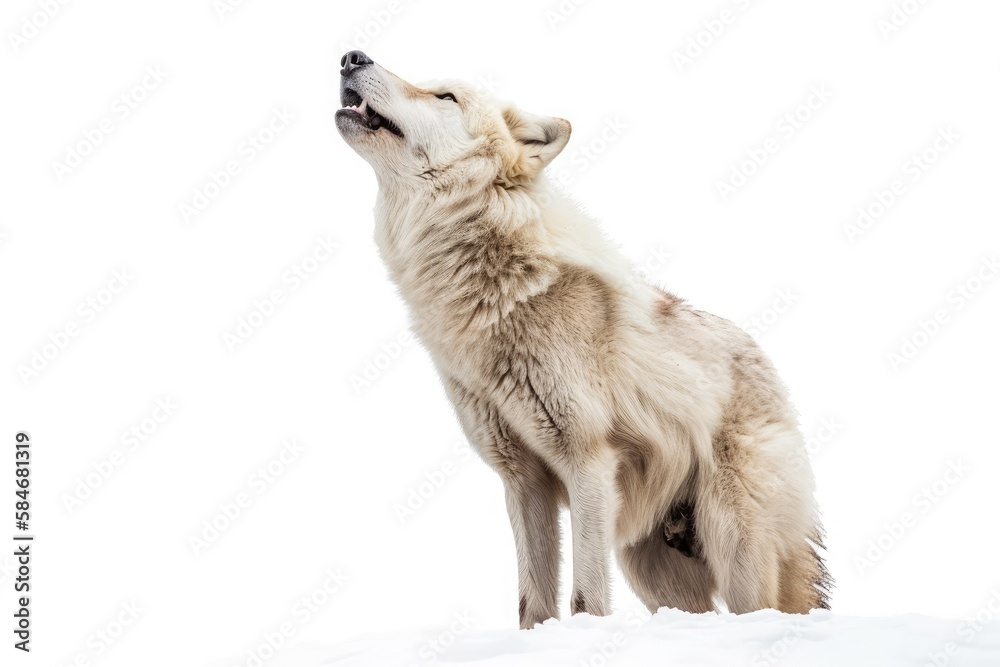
[(363, 107)]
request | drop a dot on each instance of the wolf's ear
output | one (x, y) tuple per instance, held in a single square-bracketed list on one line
[(539, 140)]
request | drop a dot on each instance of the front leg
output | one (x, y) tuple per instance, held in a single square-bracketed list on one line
[(532, 493), (592, 505)]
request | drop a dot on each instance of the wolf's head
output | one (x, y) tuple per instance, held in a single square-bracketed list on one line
[(443, 134)]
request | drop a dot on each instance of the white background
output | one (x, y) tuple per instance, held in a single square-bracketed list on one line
[(672, 131)]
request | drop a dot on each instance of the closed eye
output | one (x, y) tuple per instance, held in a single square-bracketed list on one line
[(446, 96)]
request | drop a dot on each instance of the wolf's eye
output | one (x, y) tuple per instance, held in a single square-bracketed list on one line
[(446, 96)]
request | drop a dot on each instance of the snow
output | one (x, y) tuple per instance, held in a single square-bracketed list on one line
[(672, 637)]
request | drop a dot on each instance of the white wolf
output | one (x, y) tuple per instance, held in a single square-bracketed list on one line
[(664, 429)]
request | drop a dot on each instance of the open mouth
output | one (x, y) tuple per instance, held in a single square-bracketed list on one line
[(358, 108)]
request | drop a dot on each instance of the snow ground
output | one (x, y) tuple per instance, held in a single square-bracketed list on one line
[(671, 637)]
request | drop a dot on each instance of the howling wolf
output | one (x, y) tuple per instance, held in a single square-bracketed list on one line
[(664, 429)]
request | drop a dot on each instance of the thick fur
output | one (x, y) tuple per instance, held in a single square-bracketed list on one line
[(663, 428)]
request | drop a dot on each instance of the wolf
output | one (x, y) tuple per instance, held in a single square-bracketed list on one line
[(664, 429)]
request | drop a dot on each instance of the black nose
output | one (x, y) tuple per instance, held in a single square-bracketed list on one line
[(353, 60)]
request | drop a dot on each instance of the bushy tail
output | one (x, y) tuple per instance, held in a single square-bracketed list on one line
[(823, 582), (805, 582)]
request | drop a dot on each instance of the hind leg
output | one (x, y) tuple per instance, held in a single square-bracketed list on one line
[(738, 545), (661, 576)]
